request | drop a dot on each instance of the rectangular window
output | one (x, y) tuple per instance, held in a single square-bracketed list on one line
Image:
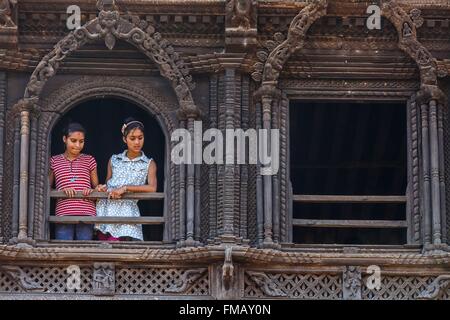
[(348, 172)]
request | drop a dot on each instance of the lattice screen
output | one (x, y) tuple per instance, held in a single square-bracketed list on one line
[(52, 279), (155, 281), (399, 288), (129, 281), (299, 286)]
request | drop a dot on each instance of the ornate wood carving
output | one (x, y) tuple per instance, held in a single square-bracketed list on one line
[(2, 146), (186, 281), (436, 288), (6, 20), (415, 15), (351, 283), (228, 269), (110, 26), (213, 185), (17, 275), (241, 14), (240, 25), (265, 284), (406, 27), (104, 279), (414, 171), (294, 41)]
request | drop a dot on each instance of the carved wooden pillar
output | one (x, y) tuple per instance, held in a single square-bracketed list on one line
[(2, 149), (440, 109), (23, 186), (32, 176), (182, 213), (434, 170), (190, 193), (413, 189), (259, 187), (426, 193), (275, 124), (228, 190), (198, 203), (213, 187), (244, 174), (189, 213), (433, 184), (16, 179), (267, 179)]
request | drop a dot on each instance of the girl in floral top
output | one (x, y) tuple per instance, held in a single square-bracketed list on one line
[(129, 171)]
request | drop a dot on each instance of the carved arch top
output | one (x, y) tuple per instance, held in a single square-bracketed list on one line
[(110, 26), (269, 68), (408, 43), (294, 41)]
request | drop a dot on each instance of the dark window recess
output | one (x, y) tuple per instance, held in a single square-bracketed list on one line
[(348, 149), (103, 120), (361, 236)]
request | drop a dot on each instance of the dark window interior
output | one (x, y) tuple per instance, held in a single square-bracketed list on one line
[(103, 120), (348, 149)]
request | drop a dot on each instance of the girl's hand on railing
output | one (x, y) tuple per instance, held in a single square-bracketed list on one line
[(70, 192), (87, 192), (117, 193), (101, 188)]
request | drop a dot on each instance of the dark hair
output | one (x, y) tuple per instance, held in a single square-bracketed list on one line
[(73, 127), (131, 124)]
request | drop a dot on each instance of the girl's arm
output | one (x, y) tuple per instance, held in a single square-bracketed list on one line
[(94, 183), (149, 187), (94, 178), (103, 187), (109, 172), (51, 177)]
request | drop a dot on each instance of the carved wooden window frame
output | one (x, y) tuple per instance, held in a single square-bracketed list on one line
[(72, 94), (413, 176)]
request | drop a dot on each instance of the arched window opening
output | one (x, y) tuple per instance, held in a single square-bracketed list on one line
[(103, 120)]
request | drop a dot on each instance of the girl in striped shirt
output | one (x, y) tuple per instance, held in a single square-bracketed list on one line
[(74, 172)]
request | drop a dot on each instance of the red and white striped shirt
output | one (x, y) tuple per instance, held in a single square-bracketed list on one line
[(75, 174)]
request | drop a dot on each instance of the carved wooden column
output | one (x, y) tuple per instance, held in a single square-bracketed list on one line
[(229, 114), (228, 195), (16, 179), (433, 184), (24, 161), (267, 179), (23, 186), (213, 170), (190, 192), (32, 174), (426, 193), (259, 186), (441, 120), (189, 219), (2, 147), (268, 182), (182, 195)]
